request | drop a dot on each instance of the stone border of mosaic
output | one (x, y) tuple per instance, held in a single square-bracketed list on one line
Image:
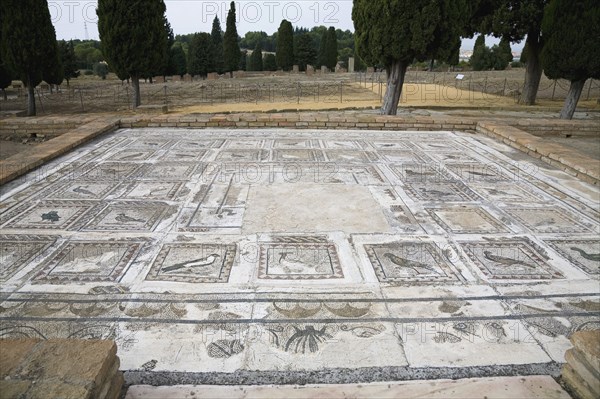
[(566, 159)]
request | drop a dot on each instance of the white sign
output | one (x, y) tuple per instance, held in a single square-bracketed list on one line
[(460, 76)]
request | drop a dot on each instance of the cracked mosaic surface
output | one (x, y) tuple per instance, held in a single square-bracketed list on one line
[(216, 250)]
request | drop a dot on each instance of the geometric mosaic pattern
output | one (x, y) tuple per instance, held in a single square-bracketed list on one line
[(152, 238), (17, 251), (467, 220), (548, 220), (88, 261), (583, 253), (299, 258)]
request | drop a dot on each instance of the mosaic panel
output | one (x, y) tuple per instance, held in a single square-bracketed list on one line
[(131, 216), (284, 155), (55, 215), (510, 259), (88, 261), (149, 144), (131, 155), (17, 251), (467, 220), (183, 155), (421, 172), (78, 190), (198, 144), (479, 172), (204, 219), (345, 144), (168, 171), (548, 220), (294, 144), (391, 145), (351, 156), (193, 263), (440, 192), (247, 144), (410, 262), (584, 253), (299, 258), (108, 171), (401, 156), (149, 190), (243, 155), (507, 192)]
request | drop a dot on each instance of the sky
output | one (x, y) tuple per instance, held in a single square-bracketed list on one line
[(70, 18)]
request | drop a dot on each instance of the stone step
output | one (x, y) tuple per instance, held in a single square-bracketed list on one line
[(543, 387)]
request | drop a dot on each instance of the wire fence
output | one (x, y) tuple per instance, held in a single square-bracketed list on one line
[(369, 88), (493, 83)]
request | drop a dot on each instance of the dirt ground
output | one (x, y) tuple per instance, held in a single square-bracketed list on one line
[(258, 92)]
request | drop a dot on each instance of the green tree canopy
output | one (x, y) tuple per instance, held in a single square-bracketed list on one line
[(395, 32), (200, 55), (331, 49), (217, 41), (285, 46), (572, 46), (178, 60), (69, 63), (133, 37), (306, 54), (28, 42), (231, 49), (256, 59), (270, 62), (322, 54)]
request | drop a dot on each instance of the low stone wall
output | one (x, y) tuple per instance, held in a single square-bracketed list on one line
[(581, 373), (59, 368), (558, 127), (47, 127), (303, 120), (567, 159)]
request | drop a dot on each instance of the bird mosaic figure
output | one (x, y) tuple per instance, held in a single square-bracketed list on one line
[(51, 216), (82, 190), (585, 255), (508, 262), (123, 218), (403, 263), (201, 262)]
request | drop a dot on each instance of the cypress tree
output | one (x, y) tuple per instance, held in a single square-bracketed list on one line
[(480, 60), (572, 49), (6, 76), (506, 50), (285, 46), (178, 60), (322, 56), (305, 51), (69, 63), (133, 39), (231, 49), (331, 51), (28, 42), (200, 55), (270, 62), (396, 32), (256, 59), (243, 65), (217, 40), (524, 54)]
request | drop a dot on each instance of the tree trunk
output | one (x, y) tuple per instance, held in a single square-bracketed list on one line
[(4, 95), (395, 80), (31, 111), (533, 72), (572, 99), (137, 100), (431, 65)]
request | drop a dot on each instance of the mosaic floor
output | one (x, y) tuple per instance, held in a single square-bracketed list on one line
[(273, 250)]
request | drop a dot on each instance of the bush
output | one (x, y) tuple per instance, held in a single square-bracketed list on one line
[(517, 64), (101, 69), (88, 72)]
